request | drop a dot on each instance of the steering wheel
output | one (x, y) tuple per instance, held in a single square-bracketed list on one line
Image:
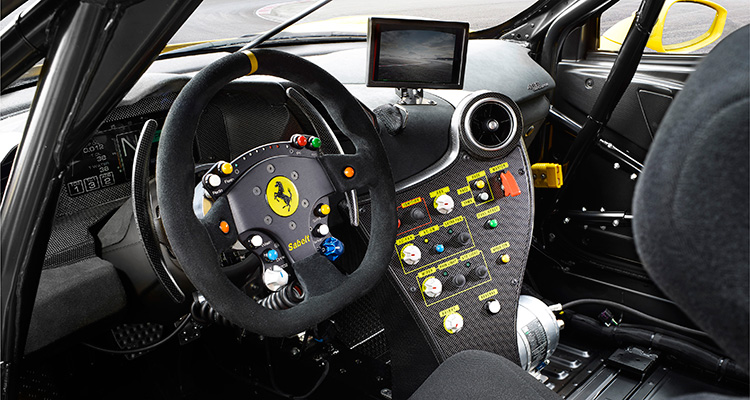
[(239, 211)]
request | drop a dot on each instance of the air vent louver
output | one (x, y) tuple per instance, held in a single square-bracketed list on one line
[(491, 125)]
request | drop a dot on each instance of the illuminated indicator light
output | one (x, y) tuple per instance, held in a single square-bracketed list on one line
[(427, 240), (505, 258), (468, 264), (479, 184), (349, 172), (445, 273), (301, 141), (226, 168), (314, 142), (439, 248), (322, 210), (491, 224), (450, 231), (224, 226)]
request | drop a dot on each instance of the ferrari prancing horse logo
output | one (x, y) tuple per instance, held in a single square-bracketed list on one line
[(282, 196)]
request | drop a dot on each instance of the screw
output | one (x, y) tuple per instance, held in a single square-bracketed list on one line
[(616, 166), (268, 220), (532, 24), (603, 227), (589, 83), (270, 168), (413, 289), (520, 171), (616, 222), (566, 220), (583, 209), (292, 225), (342, 371), (601, 209), (633, 177), (551, 237), (256, 191), (544, 176), (304, 203), (294, 175)]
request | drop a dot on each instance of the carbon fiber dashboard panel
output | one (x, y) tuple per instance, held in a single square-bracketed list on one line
[(486, 247)]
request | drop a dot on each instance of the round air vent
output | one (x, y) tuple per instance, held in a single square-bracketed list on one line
[(491, 125)]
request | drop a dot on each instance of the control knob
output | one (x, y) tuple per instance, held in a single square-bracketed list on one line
[(432, 287), (411, 254), (275, 278), (416, 214), (481, 272), (463, 238), (458, 280), (444, 204), (331, 248), (453, 323)]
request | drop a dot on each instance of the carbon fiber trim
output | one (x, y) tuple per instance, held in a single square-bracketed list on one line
[(495, 333), (142, 214)]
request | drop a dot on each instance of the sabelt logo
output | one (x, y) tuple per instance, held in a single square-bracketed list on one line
[(298, 243), (282, 196)]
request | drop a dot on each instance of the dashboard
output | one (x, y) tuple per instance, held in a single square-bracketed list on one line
[(465, 204)]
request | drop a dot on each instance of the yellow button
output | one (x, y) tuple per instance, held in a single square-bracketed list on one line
[(479, 184), (348, 172), (224, 226), (324, 209), (505, 258), (226, 168)]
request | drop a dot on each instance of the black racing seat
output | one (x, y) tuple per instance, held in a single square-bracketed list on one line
[(691, 226)]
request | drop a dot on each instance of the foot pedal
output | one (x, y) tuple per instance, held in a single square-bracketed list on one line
[(135, 336), (547, 175)]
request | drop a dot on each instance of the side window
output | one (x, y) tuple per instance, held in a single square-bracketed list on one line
[(684, 26)]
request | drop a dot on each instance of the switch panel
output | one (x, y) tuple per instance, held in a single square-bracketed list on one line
[(461, 250)]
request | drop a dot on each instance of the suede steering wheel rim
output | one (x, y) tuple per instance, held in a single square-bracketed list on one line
[(196, 242)]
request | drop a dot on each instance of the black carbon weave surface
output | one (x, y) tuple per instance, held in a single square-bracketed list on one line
[(361, 329), (494, 333), (147, 105), (141, 207)]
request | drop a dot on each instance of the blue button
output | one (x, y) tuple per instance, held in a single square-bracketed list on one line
[(332, 248), (439, 248), (271, 255)]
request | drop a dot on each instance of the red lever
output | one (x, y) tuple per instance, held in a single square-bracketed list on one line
[(509, 184)]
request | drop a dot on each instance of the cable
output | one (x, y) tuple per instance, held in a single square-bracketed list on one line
[(147, 348), (637, 313)]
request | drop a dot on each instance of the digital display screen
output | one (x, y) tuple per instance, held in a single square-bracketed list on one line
[(107, 160), (416, 53)]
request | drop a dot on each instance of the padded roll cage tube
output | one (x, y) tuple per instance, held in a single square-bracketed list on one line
[(193, 244), (614, 87)]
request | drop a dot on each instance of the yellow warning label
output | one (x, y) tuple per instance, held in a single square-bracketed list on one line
[(426, 272), (498, 167), (470, 255), (476, 176), (429, 230), (449, 311), (404, 239), (501, 246), (411, 202), (453, 221), (440, 191), (467, 202), (448, 263), (463, 190), (488, 212), (485, 296)]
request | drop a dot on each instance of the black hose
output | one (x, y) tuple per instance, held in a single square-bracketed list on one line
[(640, 314), (140, 349), (695, 355)]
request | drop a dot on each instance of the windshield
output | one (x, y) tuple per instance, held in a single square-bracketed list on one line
[(223, 19)]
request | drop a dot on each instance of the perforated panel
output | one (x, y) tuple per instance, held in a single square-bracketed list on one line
[(511, 237)]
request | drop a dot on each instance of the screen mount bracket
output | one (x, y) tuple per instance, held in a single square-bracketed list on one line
[(409, 96)]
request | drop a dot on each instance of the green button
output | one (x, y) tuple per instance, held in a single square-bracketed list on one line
[(315, 142), (445, 273), (492, 224)]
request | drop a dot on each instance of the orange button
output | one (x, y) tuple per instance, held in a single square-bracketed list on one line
[(348, 172), (224, 226), (226, 168)]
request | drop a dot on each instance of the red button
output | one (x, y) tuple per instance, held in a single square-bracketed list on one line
[(301, 141), (509, 184)]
